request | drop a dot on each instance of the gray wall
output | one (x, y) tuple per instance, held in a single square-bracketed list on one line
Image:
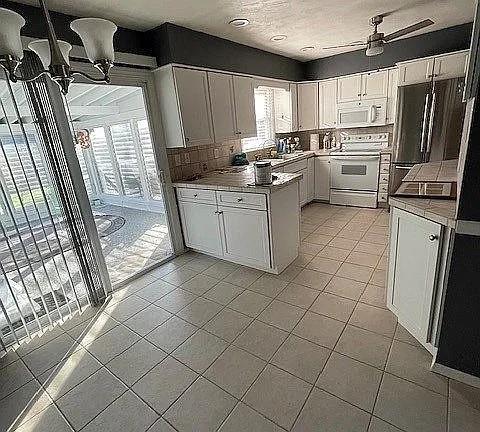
[(175, 44), (437, 42)]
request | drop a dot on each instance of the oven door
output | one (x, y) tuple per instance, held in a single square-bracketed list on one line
[(355, 172)]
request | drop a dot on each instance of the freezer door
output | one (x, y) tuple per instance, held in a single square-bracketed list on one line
[(445, 120), (411, 125)]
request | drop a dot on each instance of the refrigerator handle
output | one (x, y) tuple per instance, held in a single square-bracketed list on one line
[(424, 124), (430, 124)]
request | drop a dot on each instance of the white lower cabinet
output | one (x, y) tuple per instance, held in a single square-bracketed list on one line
[(244, 235), (322, 178), (200, 226), (415, 244), (254, 229)]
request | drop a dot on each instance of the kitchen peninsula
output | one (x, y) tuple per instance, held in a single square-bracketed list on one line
[(225, 215)]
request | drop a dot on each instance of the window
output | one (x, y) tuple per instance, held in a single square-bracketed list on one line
[(273, 114)]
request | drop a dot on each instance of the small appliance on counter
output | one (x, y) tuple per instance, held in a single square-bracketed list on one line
[(240, 159), (263, 172)]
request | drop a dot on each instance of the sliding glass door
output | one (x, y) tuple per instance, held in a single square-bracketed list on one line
[(123, 175)]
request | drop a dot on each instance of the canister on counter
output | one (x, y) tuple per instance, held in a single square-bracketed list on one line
[(263, 172)]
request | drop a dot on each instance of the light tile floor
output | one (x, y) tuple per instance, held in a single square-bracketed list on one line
[(204, 345)]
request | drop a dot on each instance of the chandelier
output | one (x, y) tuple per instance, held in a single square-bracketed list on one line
[(96, 35)]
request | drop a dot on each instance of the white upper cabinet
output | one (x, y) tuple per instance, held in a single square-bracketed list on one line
[(392, 95), (349, 88), (415, 72), (294, 102), (244, 107), (327, 103), (370, 85), (223, 109), (450, 66), (374, 85), (441, 67), (194, 103), (307, 106)]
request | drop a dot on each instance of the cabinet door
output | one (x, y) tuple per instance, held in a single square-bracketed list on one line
[(307, 106), (194, 103), (245, 238), (450, 66), (415, 72), (244, 107), (294, 101), (311, 179), (392, 95), (414, 251), (304, 186), (374, 85), (200, 227), (223, 109), (322, 178), (349, 88), (283, 110), (327, 103)]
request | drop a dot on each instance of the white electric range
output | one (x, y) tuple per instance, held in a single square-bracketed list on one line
[(354, 169)]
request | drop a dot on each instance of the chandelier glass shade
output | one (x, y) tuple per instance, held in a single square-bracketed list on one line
[(96, 35)]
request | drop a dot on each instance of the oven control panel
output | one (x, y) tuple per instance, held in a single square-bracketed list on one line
[(377, 141)]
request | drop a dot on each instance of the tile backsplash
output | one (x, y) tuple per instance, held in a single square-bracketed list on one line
[(305, 135), (185, 163)]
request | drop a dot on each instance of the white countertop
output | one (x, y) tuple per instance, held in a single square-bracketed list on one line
[(442, 171), (232, 179), (441, 211)]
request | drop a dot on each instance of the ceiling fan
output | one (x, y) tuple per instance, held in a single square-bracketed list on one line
[(376, 40)]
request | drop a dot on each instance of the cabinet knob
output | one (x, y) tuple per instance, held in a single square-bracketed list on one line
[(239, 199), (432, 237), (187, 139), (359, 94), (220, 212), (195, 195)]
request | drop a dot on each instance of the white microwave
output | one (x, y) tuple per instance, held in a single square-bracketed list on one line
[(372, 112)]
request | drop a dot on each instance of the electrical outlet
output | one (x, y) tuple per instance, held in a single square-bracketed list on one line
[(186, 158), (177, 159), (216, 153)]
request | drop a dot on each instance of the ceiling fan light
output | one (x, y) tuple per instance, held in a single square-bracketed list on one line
[(10, 42), (97, 37), (42, 49), (374, 48)]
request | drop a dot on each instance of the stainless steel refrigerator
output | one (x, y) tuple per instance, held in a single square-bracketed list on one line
[(428, 125)]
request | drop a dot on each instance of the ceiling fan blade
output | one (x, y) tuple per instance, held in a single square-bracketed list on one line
[(407, 30), (346, 45)]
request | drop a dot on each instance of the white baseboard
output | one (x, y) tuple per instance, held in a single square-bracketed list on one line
[(456, 374)]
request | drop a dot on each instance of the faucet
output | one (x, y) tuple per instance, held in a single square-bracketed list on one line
[(268, 140)]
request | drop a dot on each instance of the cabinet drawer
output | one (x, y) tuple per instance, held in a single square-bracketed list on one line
[(242, 200), (295, 166), (382, 197), (197, 195), (384, 168), (383, 187), (385, 158), (384, 178)]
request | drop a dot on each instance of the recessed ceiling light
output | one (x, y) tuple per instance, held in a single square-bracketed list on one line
[(278, 38), (307, 48), (239, 22)]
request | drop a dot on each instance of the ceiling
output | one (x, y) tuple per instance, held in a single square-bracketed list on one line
[(88, 104), (315, 23)]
